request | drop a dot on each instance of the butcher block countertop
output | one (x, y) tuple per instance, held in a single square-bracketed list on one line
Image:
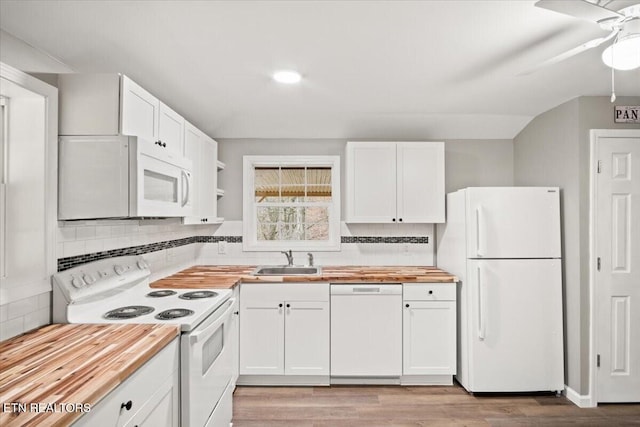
[(228, 276), (71, 364)]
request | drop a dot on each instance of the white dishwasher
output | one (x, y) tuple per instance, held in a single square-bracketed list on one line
[(366, 333)]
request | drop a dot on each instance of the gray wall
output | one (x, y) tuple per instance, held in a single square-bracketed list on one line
[(553, 149), (467, 163), (25, 57)]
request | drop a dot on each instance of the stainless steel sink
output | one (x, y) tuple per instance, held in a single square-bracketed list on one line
[(284, 270)]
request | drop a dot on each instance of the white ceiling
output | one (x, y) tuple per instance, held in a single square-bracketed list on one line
[(372, 69)]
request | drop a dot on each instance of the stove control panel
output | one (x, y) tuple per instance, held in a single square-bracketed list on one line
[(88, 281)]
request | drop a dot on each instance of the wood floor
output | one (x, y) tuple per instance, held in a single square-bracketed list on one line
[(373, 406)]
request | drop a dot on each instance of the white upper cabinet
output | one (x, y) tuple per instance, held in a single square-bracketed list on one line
[(371, 182), (203, 151), (140, 111), (170, 129), (112, 104), (420, 180), (391, 182)]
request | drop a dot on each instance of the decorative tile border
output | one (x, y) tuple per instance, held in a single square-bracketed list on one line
[(385, 239), (69, 262), (215, 239)]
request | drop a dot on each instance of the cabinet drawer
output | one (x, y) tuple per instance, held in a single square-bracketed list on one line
[(429, 292), (279, 292), (137, 389)]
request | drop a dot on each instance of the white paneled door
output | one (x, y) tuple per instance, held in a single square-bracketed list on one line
[(617, 276)]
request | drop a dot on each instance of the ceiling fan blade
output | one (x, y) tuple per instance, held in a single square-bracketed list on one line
[(580, 9), (571, 52)]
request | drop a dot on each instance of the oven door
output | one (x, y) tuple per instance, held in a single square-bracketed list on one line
[(206, 367), (162, 184)]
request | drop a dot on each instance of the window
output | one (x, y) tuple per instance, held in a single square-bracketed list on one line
[(291, 202)]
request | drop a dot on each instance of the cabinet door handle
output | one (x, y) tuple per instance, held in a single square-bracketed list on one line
[(127, 405), (280, 305), (288, 305), (430, 292), (400, 220), (394, 220), (407, 305)]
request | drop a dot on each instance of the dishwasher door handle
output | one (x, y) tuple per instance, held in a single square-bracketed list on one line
[(366, 290)]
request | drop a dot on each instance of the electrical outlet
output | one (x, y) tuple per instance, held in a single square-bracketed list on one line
[(222, 247)]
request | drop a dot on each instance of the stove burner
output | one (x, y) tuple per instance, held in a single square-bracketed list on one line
[(128, 312), (198, 295), (173, 313), (161, 293)]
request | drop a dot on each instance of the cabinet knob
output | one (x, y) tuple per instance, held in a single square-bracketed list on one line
[(164, 144), (279, 305), (394, 220), (288, 305), (127, 405), (400, 220), (236, 313), (430, 292), (407, 305)]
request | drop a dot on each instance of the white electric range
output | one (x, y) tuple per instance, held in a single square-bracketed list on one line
[(116, 290)]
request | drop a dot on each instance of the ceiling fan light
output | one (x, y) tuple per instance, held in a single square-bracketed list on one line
[(287, 77), (624, 54)]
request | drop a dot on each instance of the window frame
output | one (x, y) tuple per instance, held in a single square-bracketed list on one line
[(250, 241)]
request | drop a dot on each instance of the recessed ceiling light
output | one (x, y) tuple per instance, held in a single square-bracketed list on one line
[(287, 77)]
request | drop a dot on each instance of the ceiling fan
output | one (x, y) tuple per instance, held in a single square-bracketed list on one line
[(624, 26)]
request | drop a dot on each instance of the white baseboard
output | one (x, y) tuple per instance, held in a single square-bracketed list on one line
[(366, 380), (283, 380), (426, 380), (578, 399)]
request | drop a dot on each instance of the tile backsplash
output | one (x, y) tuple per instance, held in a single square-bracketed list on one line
[(169, 247), (362, 244), (25, 314)]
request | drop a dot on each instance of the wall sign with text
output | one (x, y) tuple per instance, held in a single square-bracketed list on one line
[(626, 113)]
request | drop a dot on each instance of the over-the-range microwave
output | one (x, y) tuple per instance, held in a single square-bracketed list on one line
[(121, 177)]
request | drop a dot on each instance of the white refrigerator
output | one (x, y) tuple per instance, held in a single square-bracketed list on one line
[(503, 243)]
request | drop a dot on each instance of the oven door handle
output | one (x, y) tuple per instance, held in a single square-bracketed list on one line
[(210, 329)]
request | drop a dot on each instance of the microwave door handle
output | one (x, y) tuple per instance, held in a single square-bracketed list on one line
[(187, 187), (206, 333)]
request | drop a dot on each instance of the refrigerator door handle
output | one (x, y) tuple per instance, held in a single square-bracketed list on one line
[(479, 235), (481, 330)]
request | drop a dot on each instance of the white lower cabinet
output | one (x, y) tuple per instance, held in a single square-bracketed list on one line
[(149, 397), (284, 333), (429, 333)]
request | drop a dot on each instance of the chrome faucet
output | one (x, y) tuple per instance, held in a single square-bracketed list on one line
[(310, 255), (289, 256)]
